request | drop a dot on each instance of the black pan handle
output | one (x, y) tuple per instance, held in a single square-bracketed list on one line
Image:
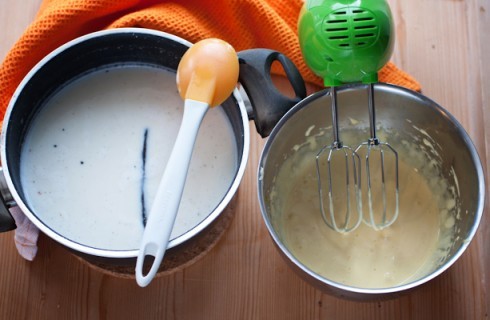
[(7, 223), (268, 103)]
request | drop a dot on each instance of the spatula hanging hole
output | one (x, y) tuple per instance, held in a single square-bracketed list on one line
[(147, 263)]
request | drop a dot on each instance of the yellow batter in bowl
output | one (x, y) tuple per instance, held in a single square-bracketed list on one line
[(365, 258)]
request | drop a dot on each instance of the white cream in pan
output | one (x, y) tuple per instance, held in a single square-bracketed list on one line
[(94, 155)]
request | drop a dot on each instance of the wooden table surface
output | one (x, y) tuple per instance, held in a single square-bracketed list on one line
[(445, 44)]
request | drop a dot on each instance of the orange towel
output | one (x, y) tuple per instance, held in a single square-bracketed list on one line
[(243, 23)]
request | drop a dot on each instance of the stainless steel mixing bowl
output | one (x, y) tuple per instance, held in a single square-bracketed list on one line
[(408, 114)]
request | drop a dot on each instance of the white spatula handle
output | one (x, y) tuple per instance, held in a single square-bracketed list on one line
[(166, 203)]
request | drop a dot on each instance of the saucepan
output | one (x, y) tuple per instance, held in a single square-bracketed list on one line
[(112, 52)]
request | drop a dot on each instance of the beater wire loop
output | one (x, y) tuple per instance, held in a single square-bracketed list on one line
[(385, 216), (344, 211)]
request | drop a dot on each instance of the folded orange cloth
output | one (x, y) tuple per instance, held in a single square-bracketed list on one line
[(243, 23)]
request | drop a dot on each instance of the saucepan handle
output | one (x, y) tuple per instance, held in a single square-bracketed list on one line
[(268, 103), (7, 223)]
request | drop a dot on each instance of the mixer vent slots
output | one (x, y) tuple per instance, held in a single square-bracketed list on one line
[(349, 28)]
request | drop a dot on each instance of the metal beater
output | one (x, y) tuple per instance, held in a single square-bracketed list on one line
[(349, 41), (352, 182), (373, 144)]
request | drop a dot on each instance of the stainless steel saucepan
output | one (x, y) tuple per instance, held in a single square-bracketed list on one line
[(133, 47)]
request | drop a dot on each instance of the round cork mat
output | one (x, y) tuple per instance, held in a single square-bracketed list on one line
[(176, 258)]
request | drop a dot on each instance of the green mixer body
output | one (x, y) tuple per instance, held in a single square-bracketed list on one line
[(346, 41)]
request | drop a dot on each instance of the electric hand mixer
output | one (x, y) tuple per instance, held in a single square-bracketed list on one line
[(349, 41)]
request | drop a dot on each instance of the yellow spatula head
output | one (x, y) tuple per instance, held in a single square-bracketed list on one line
[(208, 72)]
